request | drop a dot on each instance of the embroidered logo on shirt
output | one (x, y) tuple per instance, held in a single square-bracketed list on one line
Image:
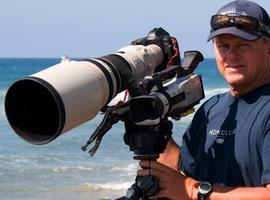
[(221, 134)]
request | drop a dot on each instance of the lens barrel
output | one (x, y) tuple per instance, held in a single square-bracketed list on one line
[(49, 103)]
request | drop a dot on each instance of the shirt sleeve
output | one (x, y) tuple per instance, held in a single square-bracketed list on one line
[(190, 147), (266, 157), (187, 158), (187, 161)]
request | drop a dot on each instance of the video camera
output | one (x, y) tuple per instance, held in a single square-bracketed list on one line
[(49, 103)]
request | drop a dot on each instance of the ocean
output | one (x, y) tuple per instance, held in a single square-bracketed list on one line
[(61, 170)]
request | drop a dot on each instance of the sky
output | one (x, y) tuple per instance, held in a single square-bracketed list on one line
[(93, 28)]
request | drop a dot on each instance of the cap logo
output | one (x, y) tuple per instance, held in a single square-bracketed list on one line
[(243, 13)]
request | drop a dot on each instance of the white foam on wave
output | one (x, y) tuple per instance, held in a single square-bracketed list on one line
[(127, 169), (2, 97), (3, 93), (66, 169), (14, 160), (22, 160), (83, 168), (109, 186), (59, 169)]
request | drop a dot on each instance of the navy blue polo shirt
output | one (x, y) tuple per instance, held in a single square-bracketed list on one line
[(228, 141)]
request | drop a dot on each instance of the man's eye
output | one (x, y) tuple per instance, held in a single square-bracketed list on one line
[(222, 46), (244, 46)]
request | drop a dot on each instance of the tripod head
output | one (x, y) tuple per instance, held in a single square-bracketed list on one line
[(147, 142)]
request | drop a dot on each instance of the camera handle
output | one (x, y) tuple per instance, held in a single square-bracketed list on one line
[(112, 115)]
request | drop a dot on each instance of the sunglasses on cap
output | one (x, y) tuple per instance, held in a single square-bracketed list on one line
[(246, 23)]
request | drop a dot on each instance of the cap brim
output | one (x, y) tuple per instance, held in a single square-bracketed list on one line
[(235, 31)]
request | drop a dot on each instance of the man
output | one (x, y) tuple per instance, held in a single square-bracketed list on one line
[(225, 152)]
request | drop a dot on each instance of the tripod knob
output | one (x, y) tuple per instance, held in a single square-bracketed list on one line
[(144, 187), (133, 193), (148, 184)]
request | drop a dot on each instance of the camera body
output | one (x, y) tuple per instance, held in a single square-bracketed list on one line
[(170, 100)]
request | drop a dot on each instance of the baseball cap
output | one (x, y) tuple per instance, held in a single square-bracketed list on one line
[(243, 18)]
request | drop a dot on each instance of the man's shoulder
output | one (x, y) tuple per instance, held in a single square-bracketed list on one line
[(221, 97)]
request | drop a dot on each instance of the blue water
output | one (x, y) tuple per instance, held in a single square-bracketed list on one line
[(60, 170)]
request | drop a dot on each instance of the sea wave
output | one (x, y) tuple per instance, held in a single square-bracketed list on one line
[(2, 97), (38, 164), (2, 94), (128, 169), (124, 169), (39, 169), (108, 186), (64, 169)]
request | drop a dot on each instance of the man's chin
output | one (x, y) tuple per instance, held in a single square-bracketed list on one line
[(236, 80)]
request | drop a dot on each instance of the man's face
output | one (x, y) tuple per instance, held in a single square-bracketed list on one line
[(243, 64)]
